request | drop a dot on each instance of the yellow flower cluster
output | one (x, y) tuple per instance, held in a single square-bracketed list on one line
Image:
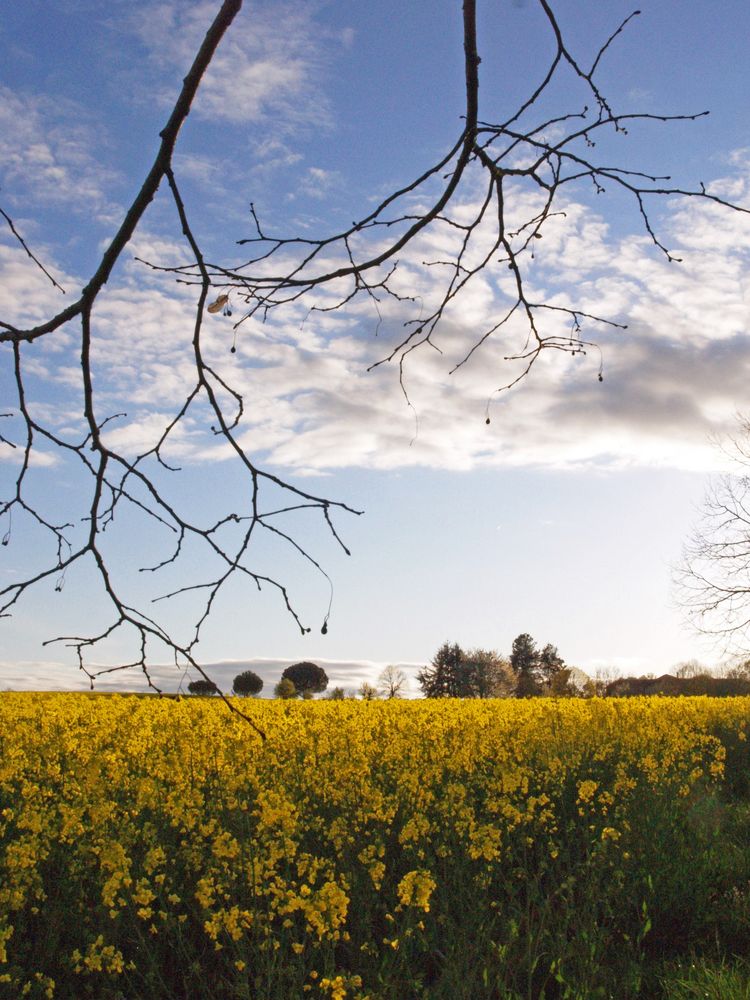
[(415, 889), (137, 831)]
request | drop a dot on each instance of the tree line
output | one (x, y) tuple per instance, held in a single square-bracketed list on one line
[(532, 672), (481, 673), (529, 671), (305, 680)]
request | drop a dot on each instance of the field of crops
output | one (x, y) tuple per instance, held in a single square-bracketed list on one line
[(158, 848)]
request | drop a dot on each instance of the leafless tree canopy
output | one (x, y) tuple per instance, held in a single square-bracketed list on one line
[(505, 155), (713, 578), (392, 682)]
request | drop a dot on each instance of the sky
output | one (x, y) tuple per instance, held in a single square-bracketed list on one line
[(565, 516)]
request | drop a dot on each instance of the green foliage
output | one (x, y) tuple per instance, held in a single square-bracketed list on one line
[(443, 678), (560, 685), (202, 687), (247, 683), (453, 673), (549, 665), (539, 671), (308, 678), (524, 659), (489, 675), (336, 694), (706, 979), (285, 689)]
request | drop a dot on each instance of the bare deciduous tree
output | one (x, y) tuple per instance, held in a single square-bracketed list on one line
[(367, 691), (523, 158), (713, 578), (392, 682), (690, 668)]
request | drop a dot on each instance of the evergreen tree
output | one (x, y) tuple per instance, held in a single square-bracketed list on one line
[(453, 673), (445, 676), (524, 661), (550, 663)]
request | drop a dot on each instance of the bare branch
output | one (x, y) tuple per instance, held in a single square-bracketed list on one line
[(713, 578), (25, 245), (117, 481)]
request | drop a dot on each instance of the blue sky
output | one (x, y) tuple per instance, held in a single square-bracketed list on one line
[(564, 516)]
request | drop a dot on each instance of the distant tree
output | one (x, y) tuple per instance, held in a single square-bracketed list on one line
[(392, 682), (285, 689), (626, 687), (561, 684), (336, 694), (524, 661), (308, 678), (549, 664), (578, 682), (671, 686), (731, 685), (247, 683), (367, 692), (444, 677), (690, 668), (597, 685), (738, 670), (202, 687), (488, 675), (479, 673), (713, 578)]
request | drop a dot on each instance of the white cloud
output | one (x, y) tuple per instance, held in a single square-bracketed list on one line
[(317, 182), (672, 381), (206, 170), (269, 65), (272, 153), (49, 154), (27, 297), (53, 675), (39, 675)]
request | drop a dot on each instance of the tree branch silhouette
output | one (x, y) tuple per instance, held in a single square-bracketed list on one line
[(713, 577)]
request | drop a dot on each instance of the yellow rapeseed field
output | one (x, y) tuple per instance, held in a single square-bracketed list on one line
[(159, 848)]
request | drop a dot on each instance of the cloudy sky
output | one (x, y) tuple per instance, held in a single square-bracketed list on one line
[(564, 516)]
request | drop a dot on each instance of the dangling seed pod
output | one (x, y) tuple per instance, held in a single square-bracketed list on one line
[(219, 303)]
